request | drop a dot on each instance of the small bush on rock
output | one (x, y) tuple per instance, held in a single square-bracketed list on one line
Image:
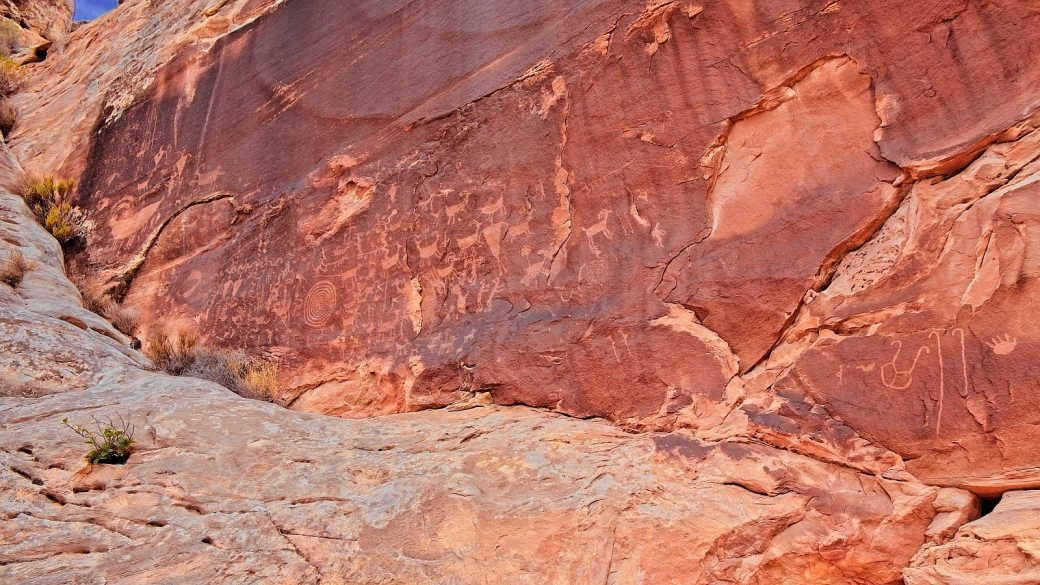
[(13, 270), (122, 317), (111, 444), (48, 200), (10, 76), (174, 356), (182, 356), (10, 35), (8, 116)]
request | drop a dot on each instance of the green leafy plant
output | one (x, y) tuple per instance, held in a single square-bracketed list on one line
[(48, 200), (112, 444), (14, 268)]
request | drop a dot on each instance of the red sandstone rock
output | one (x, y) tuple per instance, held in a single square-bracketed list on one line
[(800, 232), (230, 490), (1002, 547), (50, 19), (634, 228)]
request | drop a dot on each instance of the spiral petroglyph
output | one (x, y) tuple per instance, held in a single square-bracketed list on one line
[(319, 304)]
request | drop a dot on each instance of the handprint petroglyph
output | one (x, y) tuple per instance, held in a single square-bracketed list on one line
[(1003, 346)]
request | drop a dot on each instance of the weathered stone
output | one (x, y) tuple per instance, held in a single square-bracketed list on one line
[(921, 342), (49, 19), (546, 262), (231, 490), (1002, 547), (652, 225)]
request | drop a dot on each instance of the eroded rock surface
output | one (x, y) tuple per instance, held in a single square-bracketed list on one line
[(792, 243), (233, 490), (1002, 547), (48, 19), (645, 213), (228, 490)]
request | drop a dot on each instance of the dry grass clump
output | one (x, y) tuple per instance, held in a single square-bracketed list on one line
[(10, 35), (125, 319), (173, 355), (10, 76), (8, 116), (13, 270), (122, 317), (48, 200), (182, 356)]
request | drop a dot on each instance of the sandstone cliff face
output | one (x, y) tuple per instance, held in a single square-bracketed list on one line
[(607, 210), (1003, 547), (792, 243), (222, 489)]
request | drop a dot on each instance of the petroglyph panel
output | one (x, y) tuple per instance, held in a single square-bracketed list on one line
[(935, 356), (614, 231)]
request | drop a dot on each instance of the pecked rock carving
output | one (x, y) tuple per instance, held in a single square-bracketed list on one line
[(788, 245), (767, 179)]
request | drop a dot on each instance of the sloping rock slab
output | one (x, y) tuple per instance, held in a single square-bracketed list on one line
[(224, 489)]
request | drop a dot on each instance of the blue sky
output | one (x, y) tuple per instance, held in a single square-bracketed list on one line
[(91, 9)]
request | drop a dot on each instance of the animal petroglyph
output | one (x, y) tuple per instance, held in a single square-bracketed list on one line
[(1003, 346), (599, 228), (319, 304)]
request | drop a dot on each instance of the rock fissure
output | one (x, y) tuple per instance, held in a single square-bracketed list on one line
[(120, 283)]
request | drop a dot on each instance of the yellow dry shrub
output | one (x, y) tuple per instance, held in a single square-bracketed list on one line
[(182, 356), (10, 76), (48, 200), (13, 270)]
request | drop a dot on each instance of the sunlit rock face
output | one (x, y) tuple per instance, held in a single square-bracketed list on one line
[(605, 209), (790, 246)]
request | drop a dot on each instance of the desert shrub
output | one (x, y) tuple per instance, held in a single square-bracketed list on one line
[(232, 369), (10, 76), (10, 35), (8, 116), (259, 380), (171, 355), (93, 301), (13, 270), (48, 200), (123, 318), (111, 444)]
